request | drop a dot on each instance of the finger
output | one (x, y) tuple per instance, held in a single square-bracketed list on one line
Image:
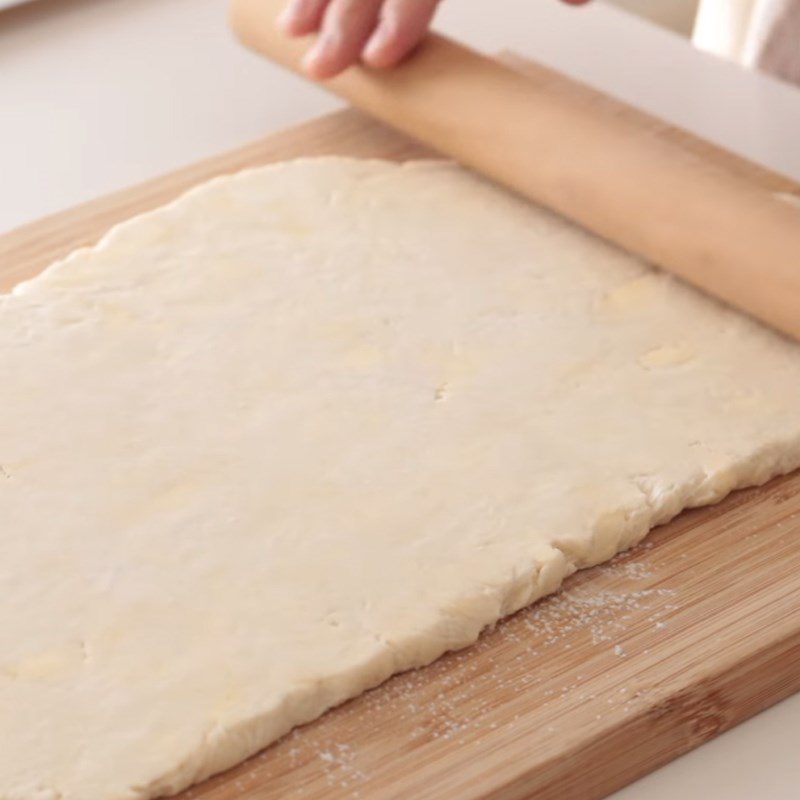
[(301, 17), (345, 30), (402, 26)]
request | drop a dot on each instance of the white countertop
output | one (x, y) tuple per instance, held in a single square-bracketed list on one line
[(98, 94)]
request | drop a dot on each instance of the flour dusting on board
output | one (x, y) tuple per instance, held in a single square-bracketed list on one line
[(452, 699)]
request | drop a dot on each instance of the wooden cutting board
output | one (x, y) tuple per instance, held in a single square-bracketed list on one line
[(632, 664)]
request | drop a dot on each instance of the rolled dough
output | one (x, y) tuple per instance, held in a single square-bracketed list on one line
[(320, 422)]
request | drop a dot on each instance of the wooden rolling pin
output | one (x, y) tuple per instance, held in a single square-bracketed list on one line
[(714, 230)]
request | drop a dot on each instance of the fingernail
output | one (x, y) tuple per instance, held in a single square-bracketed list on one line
[(379, 39), (321, 48), (286, 18)]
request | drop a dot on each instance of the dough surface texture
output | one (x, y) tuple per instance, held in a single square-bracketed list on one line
[(320, 422)]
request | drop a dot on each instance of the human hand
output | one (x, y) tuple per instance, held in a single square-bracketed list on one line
[(380, 33)]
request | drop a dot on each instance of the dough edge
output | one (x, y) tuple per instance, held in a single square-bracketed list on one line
[(223, 749)]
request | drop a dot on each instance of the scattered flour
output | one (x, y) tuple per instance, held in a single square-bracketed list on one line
[(455, 699)]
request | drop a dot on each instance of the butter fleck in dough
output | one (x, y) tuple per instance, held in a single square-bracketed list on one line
[(320, 422), (667, 355)]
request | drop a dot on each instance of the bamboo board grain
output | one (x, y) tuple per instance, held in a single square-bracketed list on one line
[(629, 666)]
